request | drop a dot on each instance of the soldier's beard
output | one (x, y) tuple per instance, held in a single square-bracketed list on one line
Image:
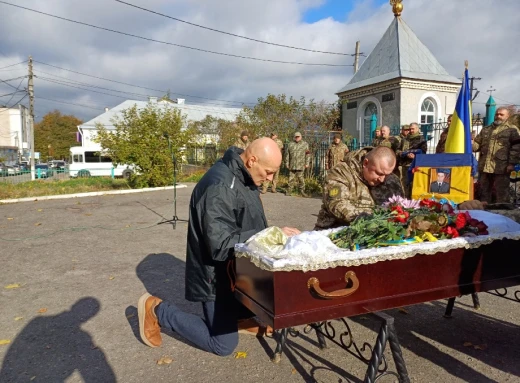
[(498, 122)]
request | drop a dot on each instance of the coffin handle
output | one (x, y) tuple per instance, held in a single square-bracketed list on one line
[(314, 284)]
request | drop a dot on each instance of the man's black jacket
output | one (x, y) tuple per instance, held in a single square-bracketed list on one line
[(225, 209)]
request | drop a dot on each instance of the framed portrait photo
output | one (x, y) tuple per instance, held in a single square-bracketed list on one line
[(440, 180)]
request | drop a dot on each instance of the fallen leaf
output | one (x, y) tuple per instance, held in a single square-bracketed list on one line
[(111, 277), (467, 344), (130, 316), (403, 311), (127, 226), (40, 209), (293, 371), (88, 214), (38, 224), (480, 347), (9, 218), (165, 360), (33, 377), (4, 341), (42, 310), (18, 318), (240, 355), (13, 286)]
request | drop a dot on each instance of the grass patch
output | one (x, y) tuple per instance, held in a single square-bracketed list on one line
[(71, 186), (193, 177)]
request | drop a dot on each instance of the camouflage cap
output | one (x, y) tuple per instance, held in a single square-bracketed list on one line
[(337, 135), (378, 128), (297, 134), (244, 133)]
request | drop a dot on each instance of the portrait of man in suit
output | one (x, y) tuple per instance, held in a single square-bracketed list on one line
[(441, 185)]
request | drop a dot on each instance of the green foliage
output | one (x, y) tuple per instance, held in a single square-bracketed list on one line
[(193, 177), (55, 134), (216, 131), (47, 187), (144, 138)]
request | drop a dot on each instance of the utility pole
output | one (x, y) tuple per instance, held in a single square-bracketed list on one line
[(356, 58), (472, 89), (31, 113)]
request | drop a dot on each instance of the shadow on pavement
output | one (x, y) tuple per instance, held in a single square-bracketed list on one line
[(52, 348)]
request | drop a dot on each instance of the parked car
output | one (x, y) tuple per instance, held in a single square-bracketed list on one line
[(42, 171), (3, 170), (58, 166)]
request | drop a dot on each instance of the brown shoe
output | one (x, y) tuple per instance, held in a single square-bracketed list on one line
[(273, 190), (149, 328), (252, 327)]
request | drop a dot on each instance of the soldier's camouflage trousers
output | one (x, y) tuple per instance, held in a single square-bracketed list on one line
[(300, 181), (501, 184)]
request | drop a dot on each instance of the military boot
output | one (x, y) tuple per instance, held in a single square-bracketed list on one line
[(273, 189), (288, 192), (305, 195)]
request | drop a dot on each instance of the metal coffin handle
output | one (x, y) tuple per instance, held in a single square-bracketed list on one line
[(314, 284)]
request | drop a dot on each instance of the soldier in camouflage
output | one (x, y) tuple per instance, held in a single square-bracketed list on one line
[(336, 152), (387, 140), (377, 139), (297, 159), (413, 144), (499, 147), (357, 185), (279, 142), (243, 141)]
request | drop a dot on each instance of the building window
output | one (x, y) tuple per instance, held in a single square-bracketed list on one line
[(428, 111), (370, 115)]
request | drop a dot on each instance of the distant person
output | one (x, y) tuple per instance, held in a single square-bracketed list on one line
[(274, 182), (387, 140), (336, 152), (499, 149), (377, 137), (297, 159), (412, 145), (243, 141), (441, 145), (440, 186), (225, 209)]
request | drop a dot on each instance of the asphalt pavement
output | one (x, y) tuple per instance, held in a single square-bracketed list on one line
[(72, 271)]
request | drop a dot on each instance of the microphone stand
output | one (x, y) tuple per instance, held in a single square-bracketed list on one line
[(175, 219)]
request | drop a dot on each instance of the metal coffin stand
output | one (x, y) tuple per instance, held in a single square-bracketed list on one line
[(286, 299)]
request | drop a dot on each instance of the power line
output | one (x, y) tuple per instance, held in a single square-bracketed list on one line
[(233, 34), (172, 44), (16, 103), (68, 103), (141, 87), (8, 66), (12, 79), (18, 90)]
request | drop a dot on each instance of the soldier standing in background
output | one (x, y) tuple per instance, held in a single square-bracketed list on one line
[(336, 152), (377, 139), (441, 145), (243, 141), (297, 159), (387, 140), (499, 147), (279, 142), (413, 144)]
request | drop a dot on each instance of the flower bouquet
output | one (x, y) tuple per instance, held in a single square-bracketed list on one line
[(401, 221)]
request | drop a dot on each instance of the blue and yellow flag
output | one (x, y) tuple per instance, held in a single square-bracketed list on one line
[(459, 134)]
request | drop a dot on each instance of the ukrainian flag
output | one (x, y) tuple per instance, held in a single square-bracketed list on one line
[(459, 134)]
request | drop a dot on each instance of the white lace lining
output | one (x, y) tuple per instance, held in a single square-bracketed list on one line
[(312, 251)]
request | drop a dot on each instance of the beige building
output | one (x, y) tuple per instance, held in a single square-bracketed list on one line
[(14, 130), (399, 82)]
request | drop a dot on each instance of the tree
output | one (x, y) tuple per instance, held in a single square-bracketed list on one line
[(147, 138), (216, 131), (55, 134)]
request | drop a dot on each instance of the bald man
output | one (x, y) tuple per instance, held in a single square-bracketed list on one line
[(225, 209), (357, 185)]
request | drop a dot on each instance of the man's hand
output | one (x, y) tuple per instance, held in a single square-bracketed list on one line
[(471, 205), (306, 166), (510, 168), (410, 155), (290, 231)]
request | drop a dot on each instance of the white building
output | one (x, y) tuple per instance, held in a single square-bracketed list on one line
[(399, 82), (88, 130), (14, 134)]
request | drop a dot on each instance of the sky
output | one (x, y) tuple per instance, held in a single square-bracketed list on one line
[(481, 31)]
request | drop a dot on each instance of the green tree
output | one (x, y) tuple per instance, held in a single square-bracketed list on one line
[(146, 139), (55, 134)]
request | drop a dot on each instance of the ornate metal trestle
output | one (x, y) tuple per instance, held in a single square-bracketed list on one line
[(513, 295)]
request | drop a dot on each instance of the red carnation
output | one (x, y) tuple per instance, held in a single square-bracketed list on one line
[(460, 221)]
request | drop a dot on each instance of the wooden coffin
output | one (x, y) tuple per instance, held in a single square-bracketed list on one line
[(290, 298)]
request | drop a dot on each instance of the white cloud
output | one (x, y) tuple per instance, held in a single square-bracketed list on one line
[(476, 30)]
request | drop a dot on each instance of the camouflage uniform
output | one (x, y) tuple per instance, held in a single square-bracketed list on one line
[(335, 154), (346, 194), (275, 176), (498, 147), (239, 143), (390, 142), (376, 141), (411, 142), (297, 156)]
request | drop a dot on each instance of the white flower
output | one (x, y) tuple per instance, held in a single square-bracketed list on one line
[(403, 202)]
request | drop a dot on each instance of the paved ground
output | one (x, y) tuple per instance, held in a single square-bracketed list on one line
[(83, 263)]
